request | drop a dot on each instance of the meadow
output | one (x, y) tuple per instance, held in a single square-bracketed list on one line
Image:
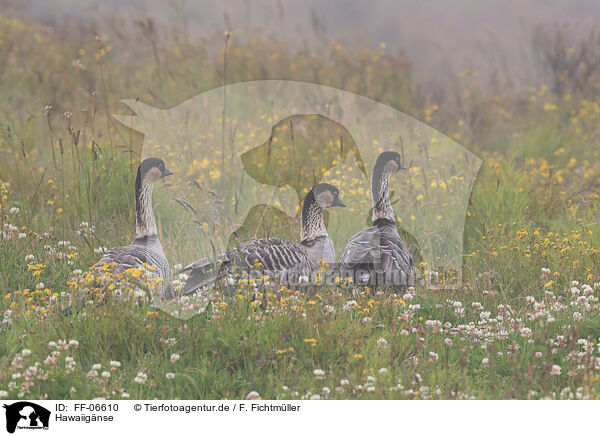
[(525, 322)]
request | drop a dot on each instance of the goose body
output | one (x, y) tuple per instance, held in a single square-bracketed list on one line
[(378, 255), (278, 258), (145, 249), (142, 251)]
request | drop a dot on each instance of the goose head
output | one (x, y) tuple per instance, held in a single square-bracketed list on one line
[(388, 162), (152, 169), (327, 195)]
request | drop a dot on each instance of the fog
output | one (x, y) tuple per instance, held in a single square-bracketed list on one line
[(438, 35)]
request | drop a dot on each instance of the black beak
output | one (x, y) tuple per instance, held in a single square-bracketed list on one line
[(167, 173), (338, 203)]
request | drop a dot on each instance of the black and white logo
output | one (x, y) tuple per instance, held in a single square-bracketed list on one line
[(26, 415)]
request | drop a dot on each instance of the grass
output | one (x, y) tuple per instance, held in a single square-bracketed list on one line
[(524, 323)]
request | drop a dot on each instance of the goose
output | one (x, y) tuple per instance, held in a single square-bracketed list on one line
[(285, 260), (145, 247), (377, 255)]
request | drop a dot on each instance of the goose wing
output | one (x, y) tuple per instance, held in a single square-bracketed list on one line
[(270, 255), (379, 247), (274, 254), (395, 254), (135, 255), (363, 247), (125, 257)]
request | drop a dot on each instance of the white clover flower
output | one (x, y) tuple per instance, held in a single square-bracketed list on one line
[(115, 363), (577, 316), (26, 352), (174, 357), (73, 343), (96, 366), (329, 309), (40, 285), (3, 394), (105, 374), (140, 378), (344, 382), (16, 375), (555, 370), (448, 342), (326, 390), (252, 395), (319, 372), (92, 374), (382, 342), (303, 279), (485, 361), (14, 211), (170, 375), (30, 258), (383, 370), (22, 235), (526, 332), (315, 397), (124, 395)]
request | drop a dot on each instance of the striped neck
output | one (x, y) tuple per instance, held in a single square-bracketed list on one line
[(380, 193), (312, 225), (145, 225)]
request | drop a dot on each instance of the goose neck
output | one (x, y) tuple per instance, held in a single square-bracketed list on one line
[(312, 225), (145, 224), (380, 192)]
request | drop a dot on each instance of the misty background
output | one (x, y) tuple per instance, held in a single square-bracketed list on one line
[(440, 37)]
